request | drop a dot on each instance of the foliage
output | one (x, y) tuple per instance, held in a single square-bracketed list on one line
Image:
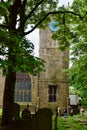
[(23, 49), (0, 112), (71, 123), (78, 70)]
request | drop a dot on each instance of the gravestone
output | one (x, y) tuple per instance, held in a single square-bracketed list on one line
[(16, 111), (42, 119), (18, 125), (26, 114)]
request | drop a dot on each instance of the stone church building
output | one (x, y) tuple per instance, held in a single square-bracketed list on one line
[(50, 87)]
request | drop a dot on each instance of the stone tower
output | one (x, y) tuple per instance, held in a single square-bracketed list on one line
[(53, 88)]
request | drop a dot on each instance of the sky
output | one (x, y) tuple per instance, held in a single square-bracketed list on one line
[(34, 36), (65, 2)]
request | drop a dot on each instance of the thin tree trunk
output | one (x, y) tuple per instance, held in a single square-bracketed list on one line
[(8, 98)]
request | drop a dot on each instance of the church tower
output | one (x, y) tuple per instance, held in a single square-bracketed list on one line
[(53, 88)]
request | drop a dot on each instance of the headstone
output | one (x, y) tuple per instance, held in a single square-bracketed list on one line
[(26, 114), (18, 125), (16, 111), (42, 119)]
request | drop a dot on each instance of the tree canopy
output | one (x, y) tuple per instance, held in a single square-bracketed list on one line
[(78, 70)]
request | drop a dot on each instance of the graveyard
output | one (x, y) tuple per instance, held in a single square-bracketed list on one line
[(44, 119)]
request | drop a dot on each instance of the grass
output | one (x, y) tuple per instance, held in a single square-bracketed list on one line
[(0, 112), (72, 123)]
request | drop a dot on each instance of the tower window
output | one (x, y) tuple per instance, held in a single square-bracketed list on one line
[(52, 93)]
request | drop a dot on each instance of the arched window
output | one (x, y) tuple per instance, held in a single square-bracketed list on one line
[(22, 87)]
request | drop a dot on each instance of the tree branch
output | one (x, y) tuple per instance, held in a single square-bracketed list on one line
[(22, 16), (51, 13), (34, 9), (13, 12), (28, 16)]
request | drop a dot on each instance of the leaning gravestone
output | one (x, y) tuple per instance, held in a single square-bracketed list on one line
[(42, 119), (16, 111)]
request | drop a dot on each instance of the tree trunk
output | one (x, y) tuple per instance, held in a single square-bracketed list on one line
[(8, 98)]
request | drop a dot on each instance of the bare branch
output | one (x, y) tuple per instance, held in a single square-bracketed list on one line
[(51, 13), (34, 9)]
